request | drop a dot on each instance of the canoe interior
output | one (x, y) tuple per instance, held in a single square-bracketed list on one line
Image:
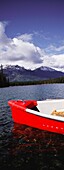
[(48, 106)]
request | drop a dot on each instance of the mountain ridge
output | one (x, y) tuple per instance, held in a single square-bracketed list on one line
[(18, 73)]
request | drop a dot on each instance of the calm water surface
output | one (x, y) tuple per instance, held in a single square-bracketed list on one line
[(27, 148)]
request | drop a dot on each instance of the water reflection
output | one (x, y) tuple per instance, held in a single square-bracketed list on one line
[(36, 148), (29, 148), (42, 141)]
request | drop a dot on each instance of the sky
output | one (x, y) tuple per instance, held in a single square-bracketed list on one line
[(32, 33)]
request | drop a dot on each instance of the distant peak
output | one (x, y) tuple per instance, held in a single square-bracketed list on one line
[(44, 68)]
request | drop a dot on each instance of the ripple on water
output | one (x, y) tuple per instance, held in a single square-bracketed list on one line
[(24, 147)]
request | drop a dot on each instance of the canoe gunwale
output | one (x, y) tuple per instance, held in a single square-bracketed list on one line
[(57, 118)]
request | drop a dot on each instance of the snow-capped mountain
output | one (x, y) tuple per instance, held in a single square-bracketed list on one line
[(18, 73), (46, 69)]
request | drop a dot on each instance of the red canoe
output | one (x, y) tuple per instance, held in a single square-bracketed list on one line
[(37, 114)]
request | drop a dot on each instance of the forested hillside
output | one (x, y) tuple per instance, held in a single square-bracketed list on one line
[(3, 81)]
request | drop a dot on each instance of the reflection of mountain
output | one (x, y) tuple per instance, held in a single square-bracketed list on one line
[(17, 73)]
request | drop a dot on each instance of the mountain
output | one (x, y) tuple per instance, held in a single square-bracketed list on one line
[(48, 73), (18, 73)]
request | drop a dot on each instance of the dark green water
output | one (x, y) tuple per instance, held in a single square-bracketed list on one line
[(23, 147)]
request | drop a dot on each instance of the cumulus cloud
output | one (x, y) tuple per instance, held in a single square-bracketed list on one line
[(22, 51), (19, 50), (58, 61), (25, 37), (3, 37)]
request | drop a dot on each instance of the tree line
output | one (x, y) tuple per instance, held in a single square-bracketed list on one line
[(4, 82), (49, 81)]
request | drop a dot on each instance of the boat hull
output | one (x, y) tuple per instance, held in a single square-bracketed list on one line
[(22, 116), (35, 121)]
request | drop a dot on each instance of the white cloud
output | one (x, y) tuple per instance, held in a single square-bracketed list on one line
[(54, 49), (18, 50), (25, 37), (58, 61), (22, 51), (3, 37)]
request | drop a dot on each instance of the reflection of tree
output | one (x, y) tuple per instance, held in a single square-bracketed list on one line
[(31, 140), (27, 148), (3, 81)]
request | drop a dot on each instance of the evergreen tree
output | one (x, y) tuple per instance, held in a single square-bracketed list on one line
[(3, 81)]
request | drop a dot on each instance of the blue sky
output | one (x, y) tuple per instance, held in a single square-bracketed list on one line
[(32, 33)]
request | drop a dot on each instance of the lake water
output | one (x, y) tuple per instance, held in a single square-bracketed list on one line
[(27, 148)]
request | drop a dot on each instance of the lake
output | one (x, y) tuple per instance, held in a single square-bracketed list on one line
[(27, 148)]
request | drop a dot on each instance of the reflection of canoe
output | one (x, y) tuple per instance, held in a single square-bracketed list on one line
[(38, 114)]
